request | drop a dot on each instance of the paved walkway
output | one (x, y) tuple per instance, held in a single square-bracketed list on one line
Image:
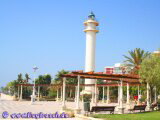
[(25, 107), (42, 106), (46, 107)]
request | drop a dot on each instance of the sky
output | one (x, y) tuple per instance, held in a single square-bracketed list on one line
[(49, 33)]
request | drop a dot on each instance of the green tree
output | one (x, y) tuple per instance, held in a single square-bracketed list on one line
[(44, 79), (2, 89), (11, 87), (20, 78), (58, 80), (150, 72), (39, 80), (135, 58), (27, 78), (47, 79)]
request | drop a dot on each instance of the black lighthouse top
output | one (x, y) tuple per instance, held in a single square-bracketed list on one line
[(91, 16)]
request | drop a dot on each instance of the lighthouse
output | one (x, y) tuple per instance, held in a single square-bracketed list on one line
[(91, 31)]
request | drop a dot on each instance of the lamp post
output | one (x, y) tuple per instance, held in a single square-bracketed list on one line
[(33, 96)]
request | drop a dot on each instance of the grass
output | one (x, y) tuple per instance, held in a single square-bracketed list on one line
[(138, 116)]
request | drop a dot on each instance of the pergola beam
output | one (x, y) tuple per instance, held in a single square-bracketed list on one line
[(131, 76), (73, 85), (108, 78)]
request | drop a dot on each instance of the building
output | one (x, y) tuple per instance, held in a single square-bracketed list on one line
[(118, 68)]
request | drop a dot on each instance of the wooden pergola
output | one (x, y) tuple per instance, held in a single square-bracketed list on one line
[(118, 80), (128, 78)]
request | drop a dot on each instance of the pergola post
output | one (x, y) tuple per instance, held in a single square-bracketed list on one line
[(148, 101), (78, 95), (38, 92), (128, 96), (75, 94), (21, 93), (108, 95), (118, 94), (155, 95), (64, 93), (61, 93), (95, 99), (121, 109), (121, 94), (57, 99), (138, 94), (93, 94), (18, 92), (103, 95), (82, 96)]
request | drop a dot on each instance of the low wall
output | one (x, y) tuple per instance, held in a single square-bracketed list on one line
[(6, 97)]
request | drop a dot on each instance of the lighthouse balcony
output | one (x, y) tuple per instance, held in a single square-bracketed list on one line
[(91, 28), (91, 21), (94, 30)]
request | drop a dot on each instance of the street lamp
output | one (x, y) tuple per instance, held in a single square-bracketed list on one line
[(33, 96)]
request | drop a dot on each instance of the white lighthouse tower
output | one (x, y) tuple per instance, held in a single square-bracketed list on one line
[(91, 31)]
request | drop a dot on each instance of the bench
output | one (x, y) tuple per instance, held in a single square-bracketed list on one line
[(153, 106), (103, 108), (70, 99), (138, 107), (158, 106)]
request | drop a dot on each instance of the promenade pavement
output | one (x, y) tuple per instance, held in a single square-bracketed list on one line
[(46, 107)]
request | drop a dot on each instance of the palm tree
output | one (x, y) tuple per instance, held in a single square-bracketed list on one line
[(47, 78), (135, 59), (58, 80), (27, 78), (44, 79), (20, 78)]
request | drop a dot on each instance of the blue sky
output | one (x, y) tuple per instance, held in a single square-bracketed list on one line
[(49, 33)]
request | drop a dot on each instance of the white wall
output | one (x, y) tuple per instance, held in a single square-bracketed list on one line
[(6, 97)]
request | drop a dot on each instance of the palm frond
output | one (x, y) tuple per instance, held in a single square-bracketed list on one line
[(136, 57)]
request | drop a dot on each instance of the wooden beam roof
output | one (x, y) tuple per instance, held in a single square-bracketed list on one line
[(131, 76), (103, 76), (73, 85)]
